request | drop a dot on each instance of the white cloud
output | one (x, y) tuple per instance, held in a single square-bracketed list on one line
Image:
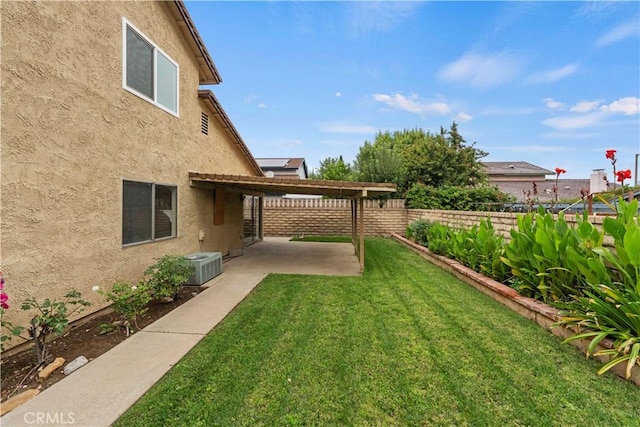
[(567, 135), (482, 71), (621, 32), (585, 106), (463, 117), (530, 148), (250, 98), (341, 127), (569, 122), (412, 104), (502, 111), (262, 105), (554, 75), (627, 106), (553, 104), (338, 94), (365, 17)]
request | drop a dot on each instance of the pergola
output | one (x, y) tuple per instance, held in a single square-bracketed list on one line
[(355, 191)]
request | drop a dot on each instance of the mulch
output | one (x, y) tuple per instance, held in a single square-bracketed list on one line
[(82, 339)]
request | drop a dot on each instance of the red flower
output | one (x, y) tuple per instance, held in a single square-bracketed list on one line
[(611, 154), (622, 175), (3, 300), (559, 171)]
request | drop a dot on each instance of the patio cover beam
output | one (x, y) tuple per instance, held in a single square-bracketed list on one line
[(356, 191)]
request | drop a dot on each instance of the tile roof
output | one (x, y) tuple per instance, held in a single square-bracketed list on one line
[(567, 188), (515, 168)]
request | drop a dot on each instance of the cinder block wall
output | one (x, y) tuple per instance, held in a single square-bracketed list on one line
[(325, 217), (502, 221), (289, 217)]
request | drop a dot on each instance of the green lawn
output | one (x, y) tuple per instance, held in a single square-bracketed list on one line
[(405, 344)]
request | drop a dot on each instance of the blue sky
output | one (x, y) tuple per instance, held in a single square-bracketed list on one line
[(551, 83)]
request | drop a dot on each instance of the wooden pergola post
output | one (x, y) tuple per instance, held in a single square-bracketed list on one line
[(354, 224), (362, 232)]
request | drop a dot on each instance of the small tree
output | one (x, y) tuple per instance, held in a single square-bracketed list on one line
[(51, 319)]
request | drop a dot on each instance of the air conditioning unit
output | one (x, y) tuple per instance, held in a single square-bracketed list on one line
[(206, 266)]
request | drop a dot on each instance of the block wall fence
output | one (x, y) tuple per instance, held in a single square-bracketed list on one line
[(325, 217)]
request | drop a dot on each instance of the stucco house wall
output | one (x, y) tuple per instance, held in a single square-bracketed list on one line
[(71, 134)]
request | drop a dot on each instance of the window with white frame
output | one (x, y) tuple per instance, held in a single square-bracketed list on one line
[(148, 212), (147, 71)]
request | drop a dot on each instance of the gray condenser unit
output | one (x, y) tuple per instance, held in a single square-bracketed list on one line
[(206, 266)]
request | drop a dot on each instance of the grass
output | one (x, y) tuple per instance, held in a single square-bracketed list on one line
[(405, 344)]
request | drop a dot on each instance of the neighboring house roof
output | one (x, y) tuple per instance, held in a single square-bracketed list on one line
[(515, 168), (208, 71), (567, 189), (283, 166), (227, 124)]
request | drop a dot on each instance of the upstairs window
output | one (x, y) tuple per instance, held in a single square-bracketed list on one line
[(147, 71)]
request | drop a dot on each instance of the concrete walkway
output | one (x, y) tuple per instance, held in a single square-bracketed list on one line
[(100, 392)]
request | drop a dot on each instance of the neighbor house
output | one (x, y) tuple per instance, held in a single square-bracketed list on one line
[(521, 180), (103, 119), (280, 167), (284, 167)]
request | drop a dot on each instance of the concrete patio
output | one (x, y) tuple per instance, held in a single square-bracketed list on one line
[(100, 392)]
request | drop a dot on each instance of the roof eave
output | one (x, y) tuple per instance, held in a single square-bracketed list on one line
[(217, 108), (208, 74)]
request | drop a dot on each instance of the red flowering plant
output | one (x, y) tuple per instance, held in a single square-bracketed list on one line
[(611, 155), (622, 175), (559, 171), (5, 325)]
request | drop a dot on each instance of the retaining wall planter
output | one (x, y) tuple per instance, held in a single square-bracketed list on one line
[(539, 312)]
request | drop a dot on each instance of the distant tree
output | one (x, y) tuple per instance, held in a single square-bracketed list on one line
[(334, 169), (381, 161), (442, 159)]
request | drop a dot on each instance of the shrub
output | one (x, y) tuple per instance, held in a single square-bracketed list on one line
[(130, 301), (167, 275), (52, 318), (421, 196), (418, 231)]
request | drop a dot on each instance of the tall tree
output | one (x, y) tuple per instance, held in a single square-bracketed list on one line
[(380, 161), (442, 159), (334, 169)]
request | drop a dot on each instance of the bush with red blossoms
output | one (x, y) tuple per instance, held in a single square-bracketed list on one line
[(5, 325)]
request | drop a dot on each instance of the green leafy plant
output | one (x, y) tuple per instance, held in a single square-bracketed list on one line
[(167, 275), (418, 231), (480, 248), (439, 239), (51, 319), (130, 301), (610, 307), (543, 250)]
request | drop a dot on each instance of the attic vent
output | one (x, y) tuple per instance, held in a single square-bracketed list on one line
[(206, 266), (204, 124)]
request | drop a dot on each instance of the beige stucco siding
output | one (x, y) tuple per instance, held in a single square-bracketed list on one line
[(71, 134)]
